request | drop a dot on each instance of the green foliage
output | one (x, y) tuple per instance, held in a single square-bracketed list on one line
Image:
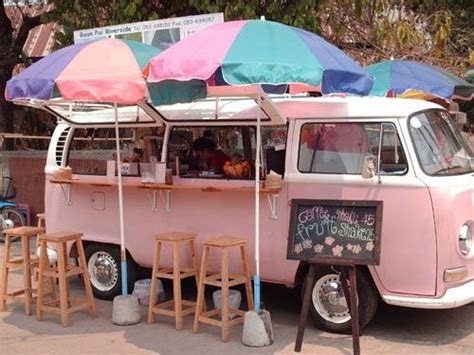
[(438, 32), (75, 14)]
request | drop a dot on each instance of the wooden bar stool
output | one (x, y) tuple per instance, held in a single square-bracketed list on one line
[(175, 273), (63, 271), (26, 262), (224, 280)]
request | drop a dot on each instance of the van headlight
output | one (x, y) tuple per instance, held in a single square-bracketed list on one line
[(465, 237)]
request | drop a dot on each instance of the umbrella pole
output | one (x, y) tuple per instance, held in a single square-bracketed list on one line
[(256, 279), (123, 254)]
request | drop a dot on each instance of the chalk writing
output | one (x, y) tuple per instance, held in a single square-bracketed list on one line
[(340, 229)]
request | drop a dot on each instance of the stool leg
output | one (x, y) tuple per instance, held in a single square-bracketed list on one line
[(178, 307), (43, 259), (201, 289), (225, 295), (66, 266), (86, 278), (25, 245), (194, 260), (5, 269), (246, 271), (63, 294), (154, 281), (35, 270)]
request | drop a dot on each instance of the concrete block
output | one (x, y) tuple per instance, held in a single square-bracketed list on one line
[(258, 330), (126, 310)]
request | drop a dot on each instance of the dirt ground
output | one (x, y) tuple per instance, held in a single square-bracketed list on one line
[(393, 331)]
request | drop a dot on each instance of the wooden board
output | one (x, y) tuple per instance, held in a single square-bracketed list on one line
[(156, 186), (336, 229)]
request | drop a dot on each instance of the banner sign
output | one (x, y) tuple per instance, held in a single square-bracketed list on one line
[(159, 33)]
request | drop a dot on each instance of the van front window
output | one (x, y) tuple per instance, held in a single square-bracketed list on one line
[(440, 148)]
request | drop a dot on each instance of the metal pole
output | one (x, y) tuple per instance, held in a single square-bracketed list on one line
[(256, 280), (123, 253)]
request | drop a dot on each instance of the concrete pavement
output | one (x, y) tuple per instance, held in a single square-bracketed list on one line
[(393, 331)]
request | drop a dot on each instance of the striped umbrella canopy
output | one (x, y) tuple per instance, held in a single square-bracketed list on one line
[(400, 76), (103, 71), (107, 70), (253, 52)]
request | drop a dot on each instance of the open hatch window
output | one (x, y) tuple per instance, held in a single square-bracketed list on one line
[(225, 152), (90, 149)]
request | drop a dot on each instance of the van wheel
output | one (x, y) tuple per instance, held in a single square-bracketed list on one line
[(103, 265), (328, 306)]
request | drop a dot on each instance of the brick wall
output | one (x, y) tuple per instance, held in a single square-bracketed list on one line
[(28, 177)]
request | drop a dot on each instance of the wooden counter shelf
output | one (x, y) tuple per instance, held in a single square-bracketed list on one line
[(104, 183), (208, 188), (165, 190), (157, 186)]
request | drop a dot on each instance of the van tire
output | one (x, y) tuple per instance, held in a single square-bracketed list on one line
[(367, 295), (106, 280)]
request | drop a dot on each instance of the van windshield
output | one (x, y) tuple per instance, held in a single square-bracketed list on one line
[(440, 148)]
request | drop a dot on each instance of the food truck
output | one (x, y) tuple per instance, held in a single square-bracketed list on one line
[(407, 153)]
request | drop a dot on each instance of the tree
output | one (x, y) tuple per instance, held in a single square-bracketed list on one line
[(431, 31), (11, 47), (76, 15), (434, 31)]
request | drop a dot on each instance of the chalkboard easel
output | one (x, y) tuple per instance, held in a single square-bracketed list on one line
[(348, 270), (340, 233)]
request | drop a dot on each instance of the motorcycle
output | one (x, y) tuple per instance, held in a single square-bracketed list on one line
[(10, 215)]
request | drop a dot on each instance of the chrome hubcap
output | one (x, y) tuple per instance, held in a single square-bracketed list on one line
[(329, 301), (103, 271), (8, 223)]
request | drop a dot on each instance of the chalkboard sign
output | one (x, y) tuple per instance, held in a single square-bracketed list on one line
[(336, 229)]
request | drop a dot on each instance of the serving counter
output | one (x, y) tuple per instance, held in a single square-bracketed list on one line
[(164, 190)]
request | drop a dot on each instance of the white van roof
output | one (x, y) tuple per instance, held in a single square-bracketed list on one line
[(275, 110), (293, 108), (340, 107)]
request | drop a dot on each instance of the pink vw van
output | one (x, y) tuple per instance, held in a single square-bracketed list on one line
[(424, 174)]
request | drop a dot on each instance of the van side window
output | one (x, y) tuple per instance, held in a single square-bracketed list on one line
[(90, 149), (340, 148), (392, 156)]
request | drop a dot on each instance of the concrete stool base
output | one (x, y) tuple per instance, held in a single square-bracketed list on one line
[(126, 310), (258, 330)]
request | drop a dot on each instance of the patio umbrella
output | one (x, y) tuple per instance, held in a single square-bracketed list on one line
[(103, 71), (245, 53), (253, 52), (400, 76)]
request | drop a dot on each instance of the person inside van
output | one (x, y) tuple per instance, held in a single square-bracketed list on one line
[(210, 157)]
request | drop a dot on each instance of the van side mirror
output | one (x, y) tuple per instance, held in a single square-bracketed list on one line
[(369, 167)]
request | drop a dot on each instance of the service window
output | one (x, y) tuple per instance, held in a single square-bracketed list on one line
[(225, 152), (212, 152), (90, 149), (340, 148)]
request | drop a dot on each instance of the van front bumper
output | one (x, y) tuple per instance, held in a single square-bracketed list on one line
[(453, 297)]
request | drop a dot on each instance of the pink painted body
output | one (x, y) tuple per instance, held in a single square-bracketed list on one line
[(422, 215)]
